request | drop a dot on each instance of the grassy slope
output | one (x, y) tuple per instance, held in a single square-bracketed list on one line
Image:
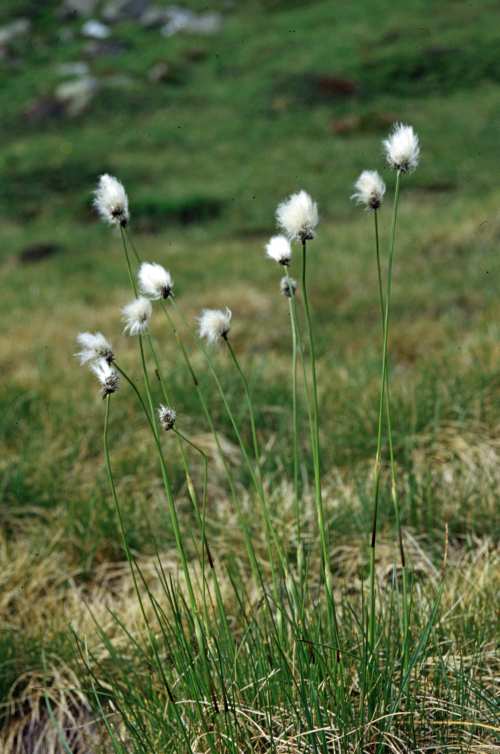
[(243, 126)]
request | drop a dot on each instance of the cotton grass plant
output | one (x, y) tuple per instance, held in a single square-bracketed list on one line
[(281, 663)]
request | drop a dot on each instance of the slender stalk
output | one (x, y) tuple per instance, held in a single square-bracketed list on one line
[(154, 428), (270, 529), (383, 379), (295, 428), (317, 455), (183, 438), (251, 412), (234, 496), (200, 517), (394, 490), (130, 561), (189, 481), (127, 257), (166, 481), (254, 563)]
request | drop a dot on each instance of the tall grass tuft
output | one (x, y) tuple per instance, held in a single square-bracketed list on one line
[(259, 649)]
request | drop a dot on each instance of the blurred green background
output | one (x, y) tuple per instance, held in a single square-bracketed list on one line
[(210, 114)]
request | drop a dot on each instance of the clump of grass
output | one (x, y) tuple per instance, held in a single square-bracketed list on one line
[(260, 648)]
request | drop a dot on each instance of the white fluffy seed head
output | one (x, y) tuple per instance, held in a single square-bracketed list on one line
[(402, 149), (288, 286), (215, 324), (279, 249), (111, 201), (167, 417), (136, 315), (155, 281), (298, 216), (94, 346), (107, 376), (369, 189)]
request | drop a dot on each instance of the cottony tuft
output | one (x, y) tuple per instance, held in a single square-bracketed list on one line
[(298, 216), (155, 281), (370, 189), (111, 201), (215, 324), (288, 286), (279, 249), (167, 417), (402, 148), (136, 316), (94, 346), (107, 376)]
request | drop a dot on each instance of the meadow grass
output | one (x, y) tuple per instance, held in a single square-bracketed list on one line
[(62, 559)]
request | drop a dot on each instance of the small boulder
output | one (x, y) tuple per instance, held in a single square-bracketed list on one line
[(75, 96), (124, 10), (183, 19), (19, 27), (72, 8), (95, 29)]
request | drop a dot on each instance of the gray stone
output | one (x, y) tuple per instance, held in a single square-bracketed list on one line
[(79, 7), (75, 96), (123, 10), (95, 29), (183, 19), (17, 28), (155, 16)]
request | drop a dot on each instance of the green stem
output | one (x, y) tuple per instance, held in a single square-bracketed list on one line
[(270, 530), (152, 422), (127, 257), (251, 412), (383, 382), (333, 625), (189, 482), (234, 496), (130, 561), (394, 490), (205, 481), (295, 432), (166, 482), (254, 562)]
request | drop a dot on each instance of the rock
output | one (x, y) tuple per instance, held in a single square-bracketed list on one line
[(154, 16), (123, 10), (95, 29), (77, 69), (75, 96), (183, 19), (71, 8), (17, 28)]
